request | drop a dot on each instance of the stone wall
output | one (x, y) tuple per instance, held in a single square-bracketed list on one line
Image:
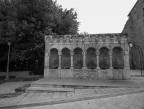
[(97, 53), (135, 29)]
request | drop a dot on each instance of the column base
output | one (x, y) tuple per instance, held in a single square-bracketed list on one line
[(59, 72), (111, 68), (98, 68), (84, 67), (127, 68), (59, 68), (46, 71)]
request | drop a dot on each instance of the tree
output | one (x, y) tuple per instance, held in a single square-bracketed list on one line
[(25, 22), (67, 23), (7, 29)]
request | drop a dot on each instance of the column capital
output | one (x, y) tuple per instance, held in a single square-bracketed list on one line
[(124, 52), (110, 53), (47, 54), (72, 53), (59, 53), (84, 52), (97, 53)]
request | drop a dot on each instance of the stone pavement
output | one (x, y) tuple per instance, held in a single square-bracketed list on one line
[(80, 99), (132, 101), (86, 98), (49, 98), (9, 87)]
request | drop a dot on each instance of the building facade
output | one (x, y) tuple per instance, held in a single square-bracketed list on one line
[(134, 27), (97, 56)]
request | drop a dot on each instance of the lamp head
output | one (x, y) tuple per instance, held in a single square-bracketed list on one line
[(130, 44), (9, 43)]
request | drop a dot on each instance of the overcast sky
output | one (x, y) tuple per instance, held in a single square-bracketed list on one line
[(100, 16)]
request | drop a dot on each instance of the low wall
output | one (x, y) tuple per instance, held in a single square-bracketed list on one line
[(118, 74), (16, 74)]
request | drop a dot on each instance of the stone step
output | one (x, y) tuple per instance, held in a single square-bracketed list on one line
[(81, 86), (48, 89), (61, 86)]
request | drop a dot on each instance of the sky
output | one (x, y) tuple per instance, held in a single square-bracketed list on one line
[(100, 16)]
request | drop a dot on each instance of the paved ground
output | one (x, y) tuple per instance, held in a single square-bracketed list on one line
[(42, 99), (133, 101), (92, 98), (9, 87)]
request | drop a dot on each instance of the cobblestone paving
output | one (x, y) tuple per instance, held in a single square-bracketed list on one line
[(29, 98), (132, 101)]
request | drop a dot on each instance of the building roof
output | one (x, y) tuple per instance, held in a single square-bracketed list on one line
[(133, 7)]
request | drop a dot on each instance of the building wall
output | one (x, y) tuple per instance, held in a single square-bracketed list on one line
[(99, 50), (135, 29)]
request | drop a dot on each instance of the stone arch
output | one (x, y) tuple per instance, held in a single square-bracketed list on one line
[(78, 58), (64, 47), (54, 59), (90, 46), (118, 58), (65, 59), (91, 58), (104, 58), (52, 48), (103, 46), (117, 45), (77, 46)]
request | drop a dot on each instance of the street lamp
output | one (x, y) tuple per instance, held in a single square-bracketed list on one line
[(7, 72), (141, 55), (131, 46)]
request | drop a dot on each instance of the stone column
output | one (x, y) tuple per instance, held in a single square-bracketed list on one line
[(110, 54), (72, 53), (126, 60), (126, 70), (46, 69), (84, 60), (97, 54), (59, 53), (59, 67)]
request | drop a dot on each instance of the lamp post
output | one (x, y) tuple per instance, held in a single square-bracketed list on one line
[(141, 55), (131, 46), (7, 72)]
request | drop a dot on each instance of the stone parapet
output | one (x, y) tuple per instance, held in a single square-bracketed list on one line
[(86, 39)]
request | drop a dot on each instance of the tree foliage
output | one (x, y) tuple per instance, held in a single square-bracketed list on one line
[(25, 22)]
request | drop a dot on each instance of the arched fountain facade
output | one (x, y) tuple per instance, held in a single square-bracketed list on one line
[(96, 56)]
